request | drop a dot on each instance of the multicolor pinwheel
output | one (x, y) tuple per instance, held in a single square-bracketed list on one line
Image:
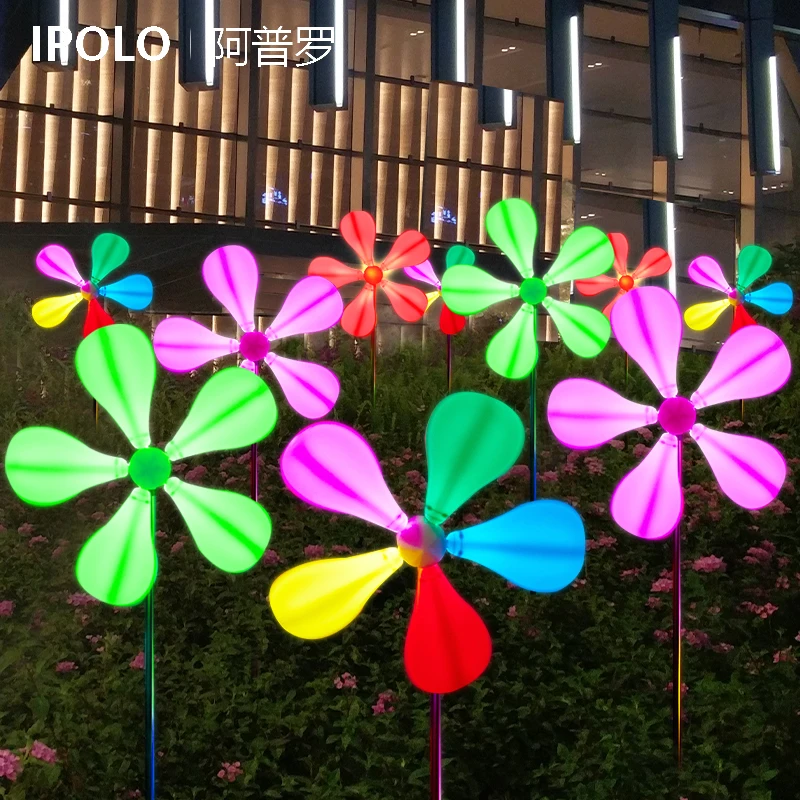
[(513, 351), (118, 563), (231, 275), (471, 439), (655, 262), (109, 251), (410, 248), (754, 262), (648, 501)]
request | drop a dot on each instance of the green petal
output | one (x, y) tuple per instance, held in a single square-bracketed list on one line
[(230, 530), (118, 563), (46, 466), (459, 254), (511, 225), (235, 408), (513, 351), (468, 290), (471, 439), (754, 261), (117, 366), (109, 251), (587, 253), (585, 330)]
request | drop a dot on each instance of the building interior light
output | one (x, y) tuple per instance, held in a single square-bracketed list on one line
[(210, 42), (461, 42), (575, 75), (677, 81), (338, 53), (672, 275), (508, 107), (776, 122), (63, 21)]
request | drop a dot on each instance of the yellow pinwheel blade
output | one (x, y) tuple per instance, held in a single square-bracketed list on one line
[(320, 598), (702, 316), (53, 311), (432, 297)]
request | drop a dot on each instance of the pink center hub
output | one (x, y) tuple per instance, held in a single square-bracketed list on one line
[(421, 544), (677, 415), (86, 289), (733, 297), (254, 346)]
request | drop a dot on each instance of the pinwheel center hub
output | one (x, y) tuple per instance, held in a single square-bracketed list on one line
[(254, 346), (421, 544), (533, 291), (733, 297), (150, 468), (677, 415), (626, 283), (87, 290), (373, 275)]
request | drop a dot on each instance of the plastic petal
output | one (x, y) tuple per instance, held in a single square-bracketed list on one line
[(749, 471), (118, 564), (584, 414), (134, 292), (512, 226), (117, 366), (647, 323), (46, 466), (538, 546), (701, 316), (447, 644), (96, 317), (593, 286), (513, 351), (182, 344), (586, 253), (741, 318), (705, 271), (777, 298), (408, 302), (753, 362), (56, 261), (619, 241), (423, 272), (53, 311), (753, 262), (648, 501), (358, 230), (359, 318), (234, 408), (231, 274), (334, 271), (331, 466), (230, 530), (109, 251), (584, 329), (410, 248), (319, 598), (313, 304), (468, 290), (471, 439), (459, 254), (310, 389), (450, 322), (655, 262)]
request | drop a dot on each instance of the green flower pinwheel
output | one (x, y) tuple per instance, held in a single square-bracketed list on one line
[(512, 351), (118, 563)]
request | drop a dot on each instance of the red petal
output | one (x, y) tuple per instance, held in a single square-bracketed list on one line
[(450, 322), (741, 318), (620, 244), (96, 317), (359, 317), (447, 644), (607, 309), (408, 302), (589, 287), (358, 230), (654, 262), (410, 248), (337, 273)]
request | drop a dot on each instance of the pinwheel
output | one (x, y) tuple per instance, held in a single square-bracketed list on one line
[(109, 251), (754, 262), (655, 262)]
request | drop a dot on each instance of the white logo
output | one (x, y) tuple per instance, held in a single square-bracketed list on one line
[(59, 39)]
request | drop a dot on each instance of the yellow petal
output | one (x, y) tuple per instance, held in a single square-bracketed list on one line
[(701, 316), (320, 598), (432, 296), (53, 311)]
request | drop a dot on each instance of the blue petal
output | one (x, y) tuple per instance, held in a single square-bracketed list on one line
[(134, 292), (777, 298), (538, 546)]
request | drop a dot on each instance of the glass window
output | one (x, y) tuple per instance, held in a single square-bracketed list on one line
[(617, 153), (712, 95), (616, 78), (403, 40), (710, 167), (514, 57)]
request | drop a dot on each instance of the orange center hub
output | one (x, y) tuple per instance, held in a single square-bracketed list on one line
[(373, 275), (626, 283)]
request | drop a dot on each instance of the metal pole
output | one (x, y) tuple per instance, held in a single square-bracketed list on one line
[(374, 348), (254, 471), (436, 747), (532, 442), (677, 627), (150, 676), (449, 363)]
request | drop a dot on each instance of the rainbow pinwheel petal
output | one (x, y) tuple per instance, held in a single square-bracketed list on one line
[(705, 271), (134, 292), (423, 272), (52, 311), (777, 298), (754, 262), (231, 274), (459, 254), (701, 316), (56, 262), (109, 252)]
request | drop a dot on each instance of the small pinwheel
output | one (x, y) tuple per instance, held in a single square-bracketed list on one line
[(471, 439), (513, 351), (118, 563), (231, 275), (648, 501), (109, 251), (754, 262), (410, 248), (654, 262)]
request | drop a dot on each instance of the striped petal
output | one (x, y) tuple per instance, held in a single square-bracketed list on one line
[(231, 274), (593, 286), (109, 252), (585, 330), (408, 302), (655, 262), (701, 316), (423, 272), (512, 226), (469, 290), (359, 317), (134, 292), (52, 311), (310, 389), (410, 248), (56, 261), (513, 350), (705, 271), (358, 230), (182, 344), (753, 262), (619, 241), (334, 271), (777, 298), (312, 305), (586, 253)]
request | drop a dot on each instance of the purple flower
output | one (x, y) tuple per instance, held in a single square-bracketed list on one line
[(709, 564), (10, 766), (36, 540), (137, 662), (196, 473), (66, 666), (230, 771), (6, 608), (518, 471), (313, 551), (384, 703), (341, 548), (80, 599), (345, 681), (176, 548), (43, 752), (271, 558)]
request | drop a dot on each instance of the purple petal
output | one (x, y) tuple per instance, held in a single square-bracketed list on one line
[(313, 304), (311, 389), (231, 274), (182, 344)]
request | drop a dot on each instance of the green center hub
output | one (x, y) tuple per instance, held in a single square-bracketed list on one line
[(533, 291), (150, 468)]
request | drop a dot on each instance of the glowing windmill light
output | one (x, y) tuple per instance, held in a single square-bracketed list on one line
[(513, 351), (471, 439), (754, 262), (231, 275), (109, 252)]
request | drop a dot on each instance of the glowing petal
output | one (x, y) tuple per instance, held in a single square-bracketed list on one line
[(358, 230), (471, 439), (648, 501), (593, 286), (134, 292), (450, 322), (109, 251), (585, 330), (311, 389), (46, 466), (410, 248), (320, 598), (620, 244), (432, 297), (655, 262), (334, 271), (512, 226), (447, 644), (753, 362), (423, 272), (749, 471), (513, 351), (586, 253), (312, 305), (408, 302), (55, 261), (705, 271), (777, 298), (583, 413), (538, 546), (702, 316), (753, 262), (468, 290), (96, 317), (234, 408), (647, 323), (53, 311), (359, 317), (182, 344), (118, 564), (231, 274), (117, 366), (459, 254), (741, 318)]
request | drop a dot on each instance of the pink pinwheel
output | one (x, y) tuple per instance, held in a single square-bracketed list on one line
[(648, 501), (654, 262), (449, 322), (231, 275)]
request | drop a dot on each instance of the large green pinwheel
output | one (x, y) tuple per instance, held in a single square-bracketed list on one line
[(512, 351), (118, 563)]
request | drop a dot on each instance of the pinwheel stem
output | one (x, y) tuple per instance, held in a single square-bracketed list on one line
[(436, 747), (96, 409), (532, 444), (254, 471), (677, 627), (449, 363), (374, 349), (150, 677)]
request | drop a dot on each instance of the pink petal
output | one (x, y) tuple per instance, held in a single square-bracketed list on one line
[(749, 471), (182, 344), (56, 262), (620, 244), (655, 262), (337, 273), (648, 325), (423, 272), (311, 389), (410, 248), (705, 271), (753, 362), (648, 501), (231, 274), (331, 466), (584, 413), (359, 317), (312, 305), (358, 230), (589, 287)]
